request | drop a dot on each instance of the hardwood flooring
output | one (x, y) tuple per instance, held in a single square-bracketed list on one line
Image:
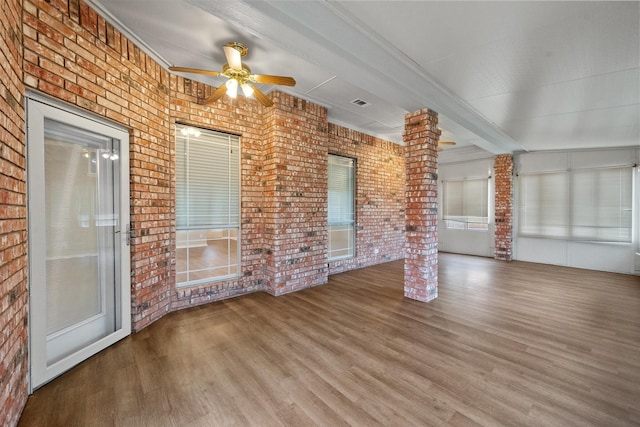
[(504, 344)]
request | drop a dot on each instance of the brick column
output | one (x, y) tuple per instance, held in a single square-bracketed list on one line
[(503, 168), (295, 194), (421, 197)]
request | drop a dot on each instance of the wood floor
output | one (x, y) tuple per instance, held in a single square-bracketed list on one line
[(504, 344)]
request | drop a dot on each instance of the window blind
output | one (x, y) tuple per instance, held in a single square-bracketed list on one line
[(207, 206), (341, 189), (466, 201), (341, 209), (207, 180), (543, 204), (583, 204), (602, 204)]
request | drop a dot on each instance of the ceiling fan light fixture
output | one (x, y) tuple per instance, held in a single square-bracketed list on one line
[(239, 75), (232, 88), (246, 89)]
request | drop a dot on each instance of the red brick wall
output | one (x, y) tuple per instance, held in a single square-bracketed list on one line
[(241, 117), (295, 185), (421, 262), (380, 175), (13, 219), (72, 54), (503, 169)]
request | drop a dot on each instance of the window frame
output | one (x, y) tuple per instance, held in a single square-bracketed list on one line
[(232, 230), (571, 220), (464, 222), (350, 223)]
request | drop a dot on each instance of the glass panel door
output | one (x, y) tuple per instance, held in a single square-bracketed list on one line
[(78, 210), (81, 211)]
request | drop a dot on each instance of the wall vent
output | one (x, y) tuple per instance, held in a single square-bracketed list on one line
[(360, 103)]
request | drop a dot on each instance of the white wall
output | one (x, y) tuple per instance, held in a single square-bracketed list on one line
[(615, 257), (466, 241)]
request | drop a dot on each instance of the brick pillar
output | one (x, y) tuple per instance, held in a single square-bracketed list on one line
[(295, 194), (503, 168), (421, 197)]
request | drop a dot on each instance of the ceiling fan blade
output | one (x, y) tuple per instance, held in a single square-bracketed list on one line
[(273, 80), (233, 57), (446, 143), (217, 94), (257, 93), (194, 70)]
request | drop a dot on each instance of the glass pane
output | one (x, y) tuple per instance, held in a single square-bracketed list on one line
[(476, 198), (466, 204), (341, 241), (341, 207), (453, 199), (81, 218), (601, 204), (207, 178), (341, 190), (203, 255), (455, 225), (207, 205), (544, 204)]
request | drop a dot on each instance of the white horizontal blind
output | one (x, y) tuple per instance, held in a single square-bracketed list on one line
[(207, 206), (341, 211), (466, 202), (341, 190), (602, 204), (584, 204), (207, 180), (543, 204)]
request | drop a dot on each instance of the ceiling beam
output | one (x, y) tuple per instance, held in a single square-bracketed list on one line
[(325, 34)]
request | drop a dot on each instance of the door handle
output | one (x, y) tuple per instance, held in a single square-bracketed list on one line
[(127, 234)]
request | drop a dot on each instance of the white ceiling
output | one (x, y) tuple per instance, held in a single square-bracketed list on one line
[(504, 76)]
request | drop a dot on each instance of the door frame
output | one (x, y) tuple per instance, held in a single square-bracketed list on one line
[(38, 108)]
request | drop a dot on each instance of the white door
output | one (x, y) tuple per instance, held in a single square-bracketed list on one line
[(79, 281)]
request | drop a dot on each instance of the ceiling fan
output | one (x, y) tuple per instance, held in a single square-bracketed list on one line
[(239, 75), (443, 143)]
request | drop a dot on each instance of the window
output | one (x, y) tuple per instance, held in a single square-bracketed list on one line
[(601, 204), (341, 207), (543, 204), (466, 204), (584, 204), (207, 205)]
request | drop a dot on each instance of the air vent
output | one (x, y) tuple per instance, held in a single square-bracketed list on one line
[(360, 103)]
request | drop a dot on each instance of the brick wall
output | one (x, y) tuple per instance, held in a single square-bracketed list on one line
[(295, 185), (421, 262), (13, 219), (503, 169), (380, 175), (71, 53), (74, 55), (238, 116)]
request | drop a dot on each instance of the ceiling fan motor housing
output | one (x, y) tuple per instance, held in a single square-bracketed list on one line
[(239, 47), (242, 76)]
